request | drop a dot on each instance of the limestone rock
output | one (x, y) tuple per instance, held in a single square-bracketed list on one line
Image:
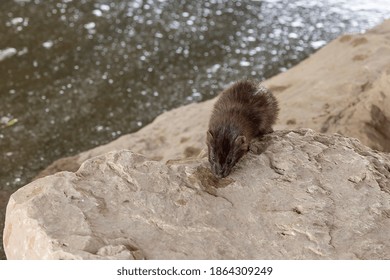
[(296, 195), (179, 133), (342, 88)]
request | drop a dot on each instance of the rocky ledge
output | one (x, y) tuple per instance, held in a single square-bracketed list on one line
[(342, 88), (296, 195)]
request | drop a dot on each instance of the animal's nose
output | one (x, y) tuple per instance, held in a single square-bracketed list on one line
[(223, 174), (219, 174)]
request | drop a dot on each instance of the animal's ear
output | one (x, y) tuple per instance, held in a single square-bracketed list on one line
[(241, 142), (210, 136)]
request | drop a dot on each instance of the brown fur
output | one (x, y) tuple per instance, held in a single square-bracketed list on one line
[(243, 111)]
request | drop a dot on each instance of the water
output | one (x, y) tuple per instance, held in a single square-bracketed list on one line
[(77, 74)]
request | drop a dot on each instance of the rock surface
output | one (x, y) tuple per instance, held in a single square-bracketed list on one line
[(342, 88), (296, 195)]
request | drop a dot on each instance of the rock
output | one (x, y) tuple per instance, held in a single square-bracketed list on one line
[(305, 196), (179, 133), (342, 88)]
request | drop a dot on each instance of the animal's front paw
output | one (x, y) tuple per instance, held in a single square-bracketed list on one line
[(257, 146)]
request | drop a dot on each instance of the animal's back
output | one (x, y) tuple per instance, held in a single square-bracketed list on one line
[(246, 101)]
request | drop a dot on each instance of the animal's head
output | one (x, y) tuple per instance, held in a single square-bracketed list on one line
[(225, 148)]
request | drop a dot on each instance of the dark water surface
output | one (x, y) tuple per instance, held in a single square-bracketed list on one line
[(77, 74)]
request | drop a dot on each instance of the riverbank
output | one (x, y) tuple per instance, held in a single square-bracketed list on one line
[(343, 88)]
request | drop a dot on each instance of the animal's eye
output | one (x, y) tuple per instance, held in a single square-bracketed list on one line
[(229, 161)]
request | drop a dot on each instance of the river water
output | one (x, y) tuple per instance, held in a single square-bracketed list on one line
[(77, 74)]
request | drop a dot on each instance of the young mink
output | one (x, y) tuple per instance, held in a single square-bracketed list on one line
[(243, 111)]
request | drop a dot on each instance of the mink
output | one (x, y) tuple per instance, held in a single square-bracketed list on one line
[(244, 111)]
